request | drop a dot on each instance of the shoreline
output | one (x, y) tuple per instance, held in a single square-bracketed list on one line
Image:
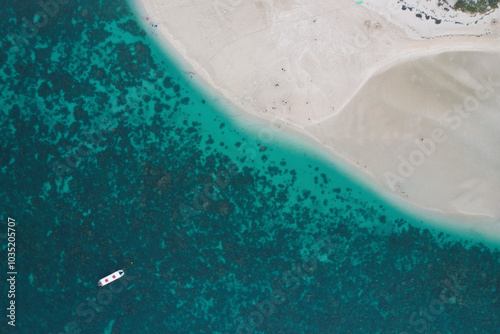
[(247, 105)]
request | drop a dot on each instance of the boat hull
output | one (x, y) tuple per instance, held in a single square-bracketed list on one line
[(111, 278)]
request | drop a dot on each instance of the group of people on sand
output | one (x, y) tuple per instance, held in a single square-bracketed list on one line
[(151, 24)]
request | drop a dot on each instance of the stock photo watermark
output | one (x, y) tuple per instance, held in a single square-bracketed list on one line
[(453, 119), (86, 311), (450, 292), (29, 27), (289, 282), (11, 271)]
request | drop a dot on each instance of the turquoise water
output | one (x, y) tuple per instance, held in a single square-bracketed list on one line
[(112, 160)]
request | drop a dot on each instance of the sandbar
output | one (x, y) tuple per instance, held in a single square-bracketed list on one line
[(405, 95)]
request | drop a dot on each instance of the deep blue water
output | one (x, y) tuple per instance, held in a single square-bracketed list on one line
[(110, 160)]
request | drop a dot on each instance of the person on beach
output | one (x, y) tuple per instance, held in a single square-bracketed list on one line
[(151, 24)]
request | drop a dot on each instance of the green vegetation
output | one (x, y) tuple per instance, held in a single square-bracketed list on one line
[(480, 6)]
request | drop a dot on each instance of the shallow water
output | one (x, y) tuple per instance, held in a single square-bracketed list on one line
[(110, 159)]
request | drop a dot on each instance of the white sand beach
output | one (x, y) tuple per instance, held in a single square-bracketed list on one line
[(406, 93)]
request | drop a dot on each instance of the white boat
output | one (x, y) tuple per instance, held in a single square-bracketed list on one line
[(111, 277)]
